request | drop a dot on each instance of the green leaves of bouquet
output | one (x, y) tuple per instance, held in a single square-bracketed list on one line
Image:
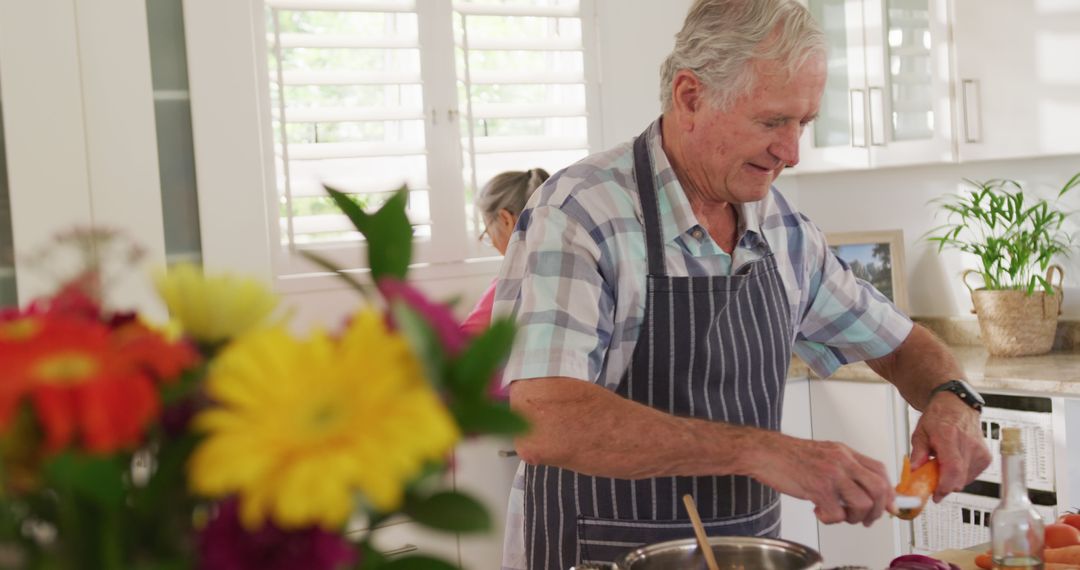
[(461, 369)]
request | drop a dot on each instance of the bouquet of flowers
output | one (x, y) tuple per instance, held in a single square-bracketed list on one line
[(222, 441)]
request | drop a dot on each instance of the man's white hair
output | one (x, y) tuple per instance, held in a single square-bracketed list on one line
[(720, 39)]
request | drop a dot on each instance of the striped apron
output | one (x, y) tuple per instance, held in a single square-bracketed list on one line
[(711, 347)]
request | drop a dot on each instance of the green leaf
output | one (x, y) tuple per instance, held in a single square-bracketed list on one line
[(388, 232), (1072, 183), (417, 562), (330, 266), (480, 416), (449, 511), (423, 340), (99, 479), (472, 371), (369, 557)]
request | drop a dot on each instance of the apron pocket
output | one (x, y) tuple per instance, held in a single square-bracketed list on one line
[(604, 540)]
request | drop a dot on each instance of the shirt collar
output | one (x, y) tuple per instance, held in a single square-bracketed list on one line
[(676, 215)]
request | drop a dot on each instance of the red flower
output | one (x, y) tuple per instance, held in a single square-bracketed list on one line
[(78, 381), (149, 352)]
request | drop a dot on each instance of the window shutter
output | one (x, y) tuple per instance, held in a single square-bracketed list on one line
[(522, 87), (348, 112)]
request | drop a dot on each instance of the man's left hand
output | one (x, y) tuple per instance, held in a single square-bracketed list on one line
[(949, 430)]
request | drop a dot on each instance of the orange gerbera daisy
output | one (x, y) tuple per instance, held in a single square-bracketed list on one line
[(79, 383), (149, 351)]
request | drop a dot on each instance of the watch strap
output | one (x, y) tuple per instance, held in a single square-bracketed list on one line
[(961, 390)]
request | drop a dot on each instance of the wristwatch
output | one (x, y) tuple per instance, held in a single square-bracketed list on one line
[(964, 391)]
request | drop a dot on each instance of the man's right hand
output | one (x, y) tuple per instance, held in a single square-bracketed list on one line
[(843, 485)]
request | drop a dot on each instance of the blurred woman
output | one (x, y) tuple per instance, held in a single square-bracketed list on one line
[(500, 203)]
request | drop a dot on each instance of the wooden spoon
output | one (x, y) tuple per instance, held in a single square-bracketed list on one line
[(702, 538)]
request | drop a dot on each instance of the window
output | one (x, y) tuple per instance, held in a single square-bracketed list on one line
[(367, 95)]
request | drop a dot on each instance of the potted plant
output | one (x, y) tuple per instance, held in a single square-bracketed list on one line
[(1015, 240)]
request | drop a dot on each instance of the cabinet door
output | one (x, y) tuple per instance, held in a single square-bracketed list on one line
[(861, 415), (798, 522), (838, 138), (907, 72), (485, 471), (1017, 77)]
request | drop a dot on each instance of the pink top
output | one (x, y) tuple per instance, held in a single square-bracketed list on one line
[(475, 323), (480, 317)]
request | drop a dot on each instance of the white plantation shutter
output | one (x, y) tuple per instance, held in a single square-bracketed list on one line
[(521, 70), (369, 94)]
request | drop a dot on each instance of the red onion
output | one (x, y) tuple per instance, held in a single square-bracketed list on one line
[(920, 562)]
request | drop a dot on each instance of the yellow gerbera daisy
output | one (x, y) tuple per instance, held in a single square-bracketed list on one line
[(302, 425), (216, 308)]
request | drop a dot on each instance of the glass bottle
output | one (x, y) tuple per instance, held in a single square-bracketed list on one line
[(1016, 529)]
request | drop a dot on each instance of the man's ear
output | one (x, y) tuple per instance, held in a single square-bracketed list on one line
[(687, 96)]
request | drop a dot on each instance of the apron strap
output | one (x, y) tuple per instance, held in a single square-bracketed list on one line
[(654, 232)]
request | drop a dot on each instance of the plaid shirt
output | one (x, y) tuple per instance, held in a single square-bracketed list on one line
[(575, 268)]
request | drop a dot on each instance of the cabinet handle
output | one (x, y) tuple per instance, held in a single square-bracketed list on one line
[(969, 97), (861, 114), (507, 453), (405, 549), (876, 115)]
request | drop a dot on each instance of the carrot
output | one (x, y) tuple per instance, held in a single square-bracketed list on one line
[(1068, 555), (921, 483), (984, 561)]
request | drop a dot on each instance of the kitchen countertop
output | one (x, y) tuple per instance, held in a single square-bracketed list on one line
[(1055, 373)]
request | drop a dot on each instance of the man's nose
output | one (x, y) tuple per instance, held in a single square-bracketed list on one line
[(786, 147)]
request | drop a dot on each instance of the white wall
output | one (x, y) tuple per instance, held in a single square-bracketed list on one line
[(634, 37), (897, 198)]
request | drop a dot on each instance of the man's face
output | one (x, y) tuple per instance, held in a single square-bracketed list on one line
[(734, 155)]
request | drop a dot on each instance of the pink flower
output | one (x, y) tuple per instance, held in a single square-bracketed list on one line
[(437, 315)]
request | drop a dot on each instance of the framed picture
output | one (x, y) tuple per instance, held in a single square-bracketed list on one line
[(877, 258)]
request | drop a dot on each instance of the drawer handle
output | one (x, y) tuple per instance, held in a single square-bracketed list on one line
[(402, 550)]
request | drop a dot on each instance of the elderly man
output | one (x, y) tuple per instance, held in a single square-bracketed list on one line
[(660, 289)]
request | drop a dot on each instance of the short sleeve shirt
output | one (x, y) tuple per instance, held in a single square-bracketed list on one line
[(574, 276)]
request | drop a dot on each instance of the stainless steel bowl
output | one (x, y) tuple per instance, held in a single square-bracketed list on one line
[(732, 553)]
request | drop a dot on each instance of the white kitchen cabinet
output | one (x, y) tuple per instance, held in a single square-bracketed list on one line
[(798, 522), (886, 100), (1017, 78), (866, 417), (484, 470), (80, 135)]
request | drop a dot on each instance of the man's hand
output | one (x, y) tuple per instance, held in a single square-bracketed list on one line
[(949, 430), (843, 485)]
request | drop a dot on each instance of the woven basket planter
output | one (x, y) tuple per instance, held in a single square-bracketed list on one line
[(1013, 323)]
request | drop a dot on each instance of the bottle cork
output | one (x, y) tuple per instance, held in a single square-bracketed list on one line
[(1011, 444)]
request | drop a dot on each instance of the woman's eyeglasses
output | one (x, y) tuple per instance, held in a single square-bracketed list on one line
[(485, 236)]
